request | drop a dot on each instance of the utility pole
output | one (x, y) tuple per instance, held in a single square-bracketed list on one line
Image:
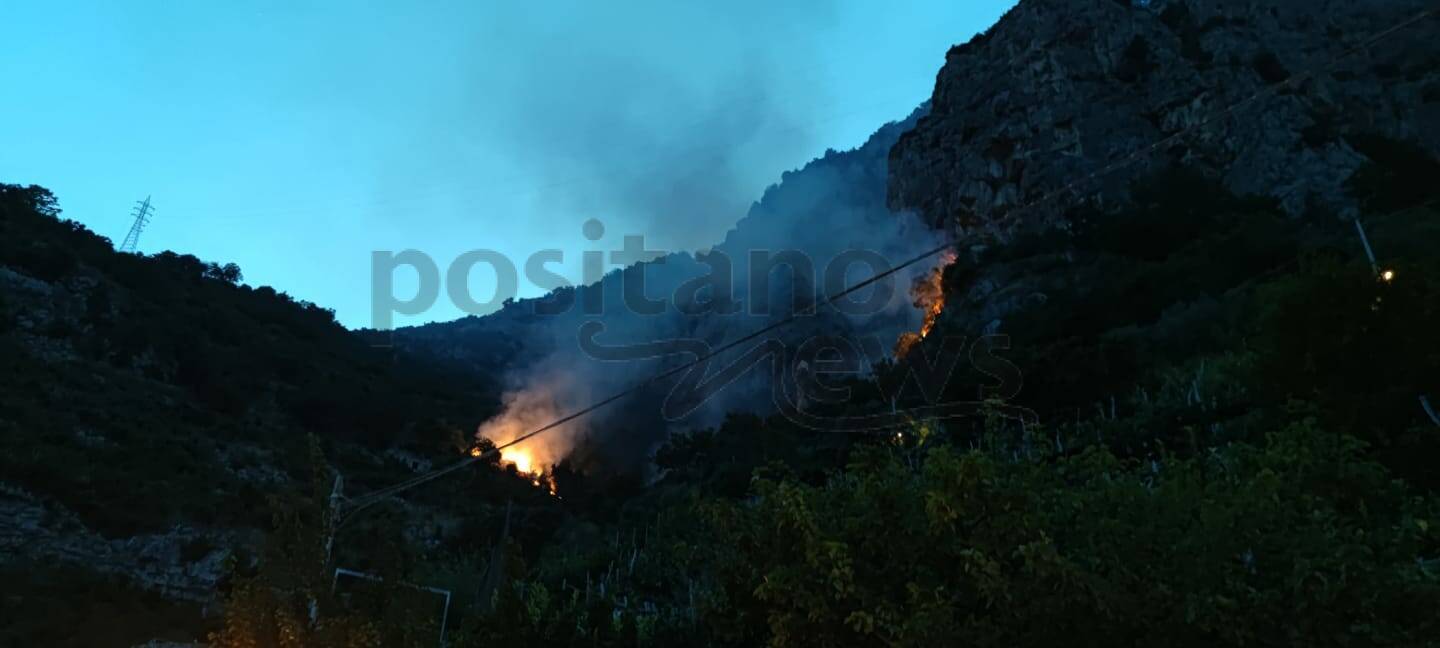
[(331, 522), (1369, 253), (142, 213), (494, 570)]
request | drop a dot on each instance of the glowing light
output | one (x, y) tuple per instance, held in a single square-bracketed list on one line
[(930, 296), (526, 465), (475, 452), (525, 411), (1388, 276), (521, 460)]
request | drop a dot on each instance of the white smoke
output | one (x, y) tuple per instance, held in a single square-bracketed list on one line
[(826, 211)]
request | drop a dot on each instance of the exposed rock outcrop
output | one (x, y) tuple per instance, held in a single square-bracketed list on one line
[(185, 562), (1061, 88)]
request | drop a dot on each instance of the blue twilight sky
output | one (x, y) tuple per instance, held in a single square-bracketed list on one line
[(296, 137)]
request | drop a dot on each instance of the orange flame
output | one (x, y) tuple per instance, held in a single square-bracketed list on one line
[(930, 297), (534, 457), (518, 458), (525, 464)]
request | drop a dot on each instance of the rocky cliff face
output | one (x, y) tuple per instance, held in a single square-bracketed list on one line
[(1060, 88)]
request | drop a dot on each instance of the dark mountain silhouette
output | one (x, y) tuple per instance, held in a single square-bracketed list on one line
[(150, 406), (1232, 429)]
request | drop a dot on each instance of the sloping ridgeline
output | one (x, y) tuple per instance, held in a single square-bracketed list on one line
[(151, 405)]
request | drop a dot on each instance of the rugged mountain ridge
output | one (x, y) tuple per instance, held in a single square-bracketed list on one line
[(1189, 249), (1058, 89)]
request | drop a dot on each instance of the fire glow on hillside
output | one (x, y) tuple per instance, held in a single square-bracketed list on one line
[(929, 295), (533, 458), (524, 464)]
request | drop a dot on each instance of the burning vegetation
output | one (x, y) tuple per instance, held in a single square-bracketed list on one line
[(535, 457), (929, 292), (524, 462)]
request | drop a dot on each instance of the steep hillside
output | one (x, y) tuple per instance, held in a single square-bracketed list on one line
[(1178, 253), (151, 406)]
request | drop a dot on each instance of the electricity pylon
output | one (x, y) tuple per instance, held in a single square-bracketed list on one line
[(143, 211)]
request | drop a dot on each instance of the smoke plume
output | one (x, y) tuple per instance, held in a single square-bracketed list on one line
[(833, 207)]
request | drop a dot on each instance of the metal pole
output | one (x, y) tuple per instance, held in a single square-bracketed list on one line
[(1364, 240), (332, 520)]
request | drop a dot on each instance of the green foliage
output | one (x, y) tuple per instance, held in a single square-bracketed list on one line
[(1295, 539), (291, 598), (1126, 293), (32, 198), (1360, 349), (528, 613), (1299, 541)]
